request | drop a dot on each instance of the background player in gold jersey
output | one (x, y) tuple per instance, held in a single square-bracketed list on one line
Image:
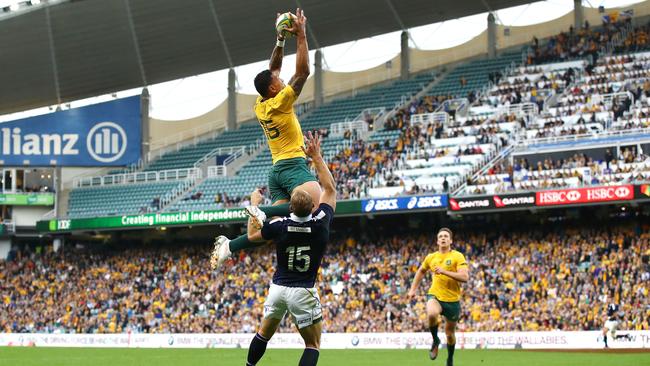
[(449, 269), (274, 110)]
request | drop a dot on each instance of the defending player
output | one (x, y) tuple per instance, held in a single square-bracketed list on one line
[(300, 241), (274, 110), (611, 324), (449, 270)]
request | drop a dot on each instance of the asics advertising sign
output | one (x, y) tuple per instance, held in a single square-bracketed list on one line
[(404, 203), (105, 134)]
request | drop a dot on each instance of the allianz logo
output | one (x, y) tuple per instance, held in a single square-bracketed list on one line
[(106, 142)]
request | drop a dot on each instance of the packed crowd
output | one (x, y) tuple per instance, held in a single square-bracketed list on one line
[(560, 278), (359, 167), (427, 104), (529, 85), (587, 41), (572, 171), (579, 112)]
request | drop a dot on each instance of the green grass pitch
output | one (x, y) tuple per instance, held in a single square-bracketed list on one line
[(16, 356)]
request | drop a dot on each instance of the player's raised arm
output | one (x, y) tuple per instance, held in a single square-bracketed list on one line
[(275, 65), (299, 28), (327, 183)]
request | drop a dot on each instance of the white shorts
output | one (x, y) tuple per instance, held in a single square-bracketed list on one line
[(302, 303), (611, 326)]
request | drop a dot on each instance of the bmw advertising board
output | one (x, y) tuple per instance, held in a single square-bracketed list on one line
[(404, 203), (104, 134)]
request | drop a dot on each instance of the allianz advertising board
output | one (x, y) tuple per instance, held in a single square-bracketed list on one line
[(104, 134)]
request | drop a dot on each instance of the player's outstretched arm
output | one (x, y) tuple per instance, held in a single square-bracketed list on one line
[(327, 183), (419, 275), (299, 28), (275, 65)]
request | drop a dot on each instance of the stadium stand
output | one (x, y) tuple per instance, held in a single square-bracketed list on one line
[(121, 199), (185, 157), (471, 116), (610, 95), (426, 155), (253, 174), (612, 37), (553, 277)]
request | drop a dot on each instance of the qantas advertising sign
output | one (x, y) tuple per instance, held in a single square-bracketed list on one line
[(493, 202), (585, 195), (642, 192)]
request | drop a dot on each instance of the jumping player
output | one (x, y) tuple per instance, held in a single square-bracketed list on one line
[(300, 241), (449, 270), (274, 110)]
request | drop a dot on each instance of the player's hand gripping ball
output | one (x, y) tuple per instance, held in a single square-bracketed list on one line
[(283, 23)]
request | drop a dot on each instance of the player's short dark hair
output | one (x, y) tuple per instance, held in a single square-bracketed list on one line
[(447, 230), (301, 203), (263, 81)]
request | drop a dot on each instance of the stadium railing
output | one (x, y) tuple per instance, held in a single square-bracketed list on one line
[(139, 177)]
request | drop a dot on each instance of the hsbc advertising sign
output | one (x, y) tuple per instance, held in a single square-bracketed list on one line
[(493, 202), (404, 203), (585, 195)]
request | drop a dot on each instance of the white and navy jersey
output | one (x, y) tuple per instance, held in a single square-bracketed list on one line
[(300, 245), (612, 311)]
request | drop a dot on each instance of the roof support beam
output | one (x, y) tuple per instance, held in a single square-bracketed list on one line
[(136, 44), (318, 78), (491, 36), (55, 68), (217, 23), (405, 56), (578, 14), (231, 123)]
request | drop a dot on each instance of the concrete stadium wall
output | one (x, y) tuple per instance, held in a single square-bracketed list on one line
[(27, 216), (5, 247)]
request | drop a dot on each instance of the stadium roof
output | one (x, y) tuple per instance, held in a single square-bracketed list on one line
[(91, 48)]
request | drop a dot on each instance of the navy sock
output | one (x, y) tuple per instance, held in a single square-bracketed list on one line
[(450, 350), (605, 341), (309, 357), (256, 349)]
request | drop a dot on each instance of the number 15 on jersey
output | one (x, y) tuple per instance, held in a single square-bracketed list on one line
[(296, 255), (270, 131)]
